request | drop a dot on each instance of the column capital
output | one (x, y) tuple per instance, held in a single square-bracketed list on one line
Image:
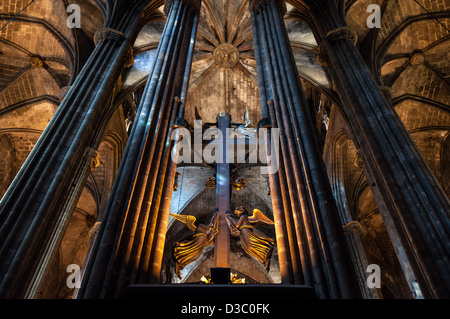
[(264, 123), (108, 34), (325, 15), (354, 227), (64, 91), (256, 5), (194, 4), (129, 57), (342, 33)]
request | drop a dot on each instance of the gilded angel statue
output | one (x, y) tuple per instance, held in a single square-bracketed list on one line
[(188, 251), (256, 246)]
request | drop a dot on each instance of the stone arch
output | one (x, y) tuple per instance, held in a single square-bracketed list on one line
[(202, 205), (341, 145), (431, 142), (366, 234), (445, 159), (101, 179), (73, 249), (82, 226), (7, 160)]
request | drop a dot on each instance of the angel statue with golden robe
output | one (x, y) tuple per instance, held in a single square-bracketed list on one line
[(188, 251), (256, 246)]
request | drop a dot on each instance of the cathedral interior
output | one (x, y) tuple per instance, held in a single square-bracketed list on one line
[(86, 113)]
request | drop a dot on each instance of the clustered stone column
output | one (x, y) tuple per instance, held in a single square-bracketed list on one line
[(311, 245), (129, 245), (414, 207), (38, 205)]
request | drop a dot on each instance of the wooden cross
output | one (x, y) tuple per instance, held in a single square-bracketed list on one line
[(223, 193)]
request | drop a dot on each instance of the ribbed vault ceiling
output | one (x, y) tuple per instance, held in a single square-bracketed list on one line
[(407, 30), (214, 88)]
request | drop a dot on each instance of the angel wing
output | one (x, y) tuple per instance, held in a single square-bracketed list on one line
[(186, 219), (258, 216)]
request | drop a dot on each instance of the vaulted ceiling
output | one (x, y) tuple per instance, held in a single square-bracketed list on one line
[(39, 54), (409, 29), (410, 52), (213, 87)]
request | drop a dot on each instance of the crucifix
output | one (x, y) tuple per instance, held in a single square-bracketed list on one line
[(223, 224), (223, 192), (217, 233)]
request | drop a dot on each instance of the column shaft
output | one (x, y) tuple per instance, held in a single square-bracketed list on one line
[(125, 247), (414, 207), (35, 210), (163, 217), (286, 245), (401, 180), (317, 230), (282, 237)]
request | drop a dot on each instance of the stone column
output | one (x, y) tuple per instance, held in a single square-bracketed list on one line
[(163, 217), (313, 215), (414, 207), (125, 245), (283, 240), (39, 203)]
